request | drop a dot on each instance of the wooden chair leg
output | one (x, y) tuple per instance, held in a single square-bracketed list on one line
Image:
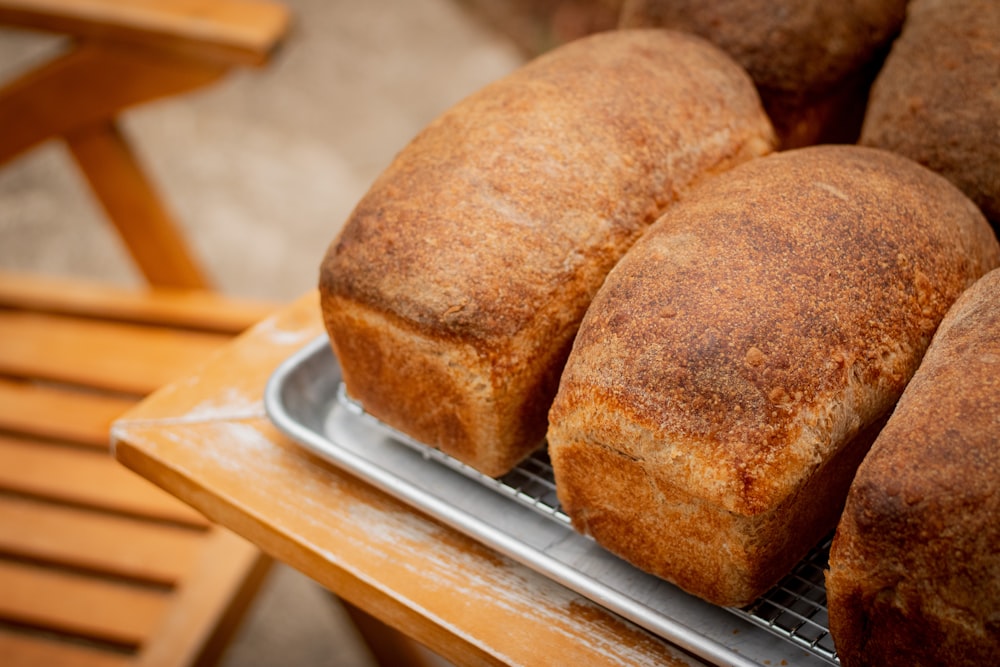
[(387, 645), (221, 586), (77, 96), (131, 203)]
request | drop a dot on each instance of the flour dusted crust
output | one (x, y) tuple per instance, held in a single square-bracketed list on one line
[(453, 292), (937, 100), (812, 60), (732, 371), (914, 573)]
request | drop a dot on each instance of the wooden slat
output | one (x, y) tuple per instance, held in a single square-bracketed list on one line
[(96, 541), (230, 31), (188, 309), (86, 478), (26, 650), (107, 355), (92, 607), (59, 413)]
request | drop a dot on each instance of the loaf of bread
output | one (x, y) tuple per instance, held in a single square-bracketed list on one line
[(914, 574), (732, 371), (453, 292), (937, 99), (813, 60)]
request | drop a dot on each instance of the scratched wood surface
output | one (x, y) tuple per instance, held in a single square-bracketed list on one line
[(207, 440)]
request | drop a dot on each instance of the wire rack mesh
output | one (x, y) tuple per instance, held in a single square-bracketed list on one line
[(794, 610)]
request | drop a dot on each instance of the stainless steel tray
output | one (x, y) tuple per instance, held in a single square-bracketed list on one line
[(519, 515)]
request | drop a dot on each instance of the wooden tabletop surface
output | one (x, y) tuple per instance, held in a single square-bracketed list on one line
[(207, 440)]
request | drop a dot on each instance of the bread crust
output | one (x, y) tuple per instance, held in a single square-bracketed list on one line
[(914, 574), (739, 348), (937, 99), (813, 61), (453, 292)]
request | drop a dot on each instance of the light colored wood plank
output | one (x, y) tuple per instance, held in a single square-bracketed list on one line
[(21, 649), (229, 31), (97, 608), (107, 355), (86, 478), (133, 206), (95, 541), (181, 308), (209, 604), (59, 413)]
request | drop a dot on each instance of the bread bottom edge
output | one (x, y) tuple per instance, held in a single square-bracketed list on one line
[(439, 393), (724, 557)]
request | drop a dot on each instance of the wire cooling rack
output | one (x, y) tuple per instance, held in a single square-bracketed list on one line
[(794, 610)]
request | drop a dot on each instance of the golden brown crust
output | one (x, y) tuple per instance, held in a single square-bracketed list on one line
[(481, 245), (937, 100), (812, 60), (915, 566), (755, 329)]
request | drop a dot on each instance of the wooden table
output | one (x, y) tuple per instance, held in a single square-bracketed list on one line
[(207, 440)]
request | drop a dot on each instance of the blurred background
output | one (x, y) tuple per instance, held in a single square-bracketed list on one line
[(261, 169)]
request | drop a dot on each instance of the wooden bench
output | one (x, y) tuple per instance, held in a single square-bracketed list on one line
[(97, 566)]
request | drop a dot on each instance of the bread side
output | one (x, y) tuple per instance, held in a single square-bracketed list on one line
[(707, 422), (937, 99), (453, 292), (813, 61), (914, 574)]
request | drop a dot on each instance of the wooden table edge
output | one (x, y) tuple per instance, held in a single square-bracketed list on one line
[(267, 344)]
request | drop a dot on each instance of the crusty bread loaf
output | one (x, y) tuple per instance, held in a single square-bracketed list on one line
[(813, 60), (914, 574), (730, 373), (937, 99), (454, 290)]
